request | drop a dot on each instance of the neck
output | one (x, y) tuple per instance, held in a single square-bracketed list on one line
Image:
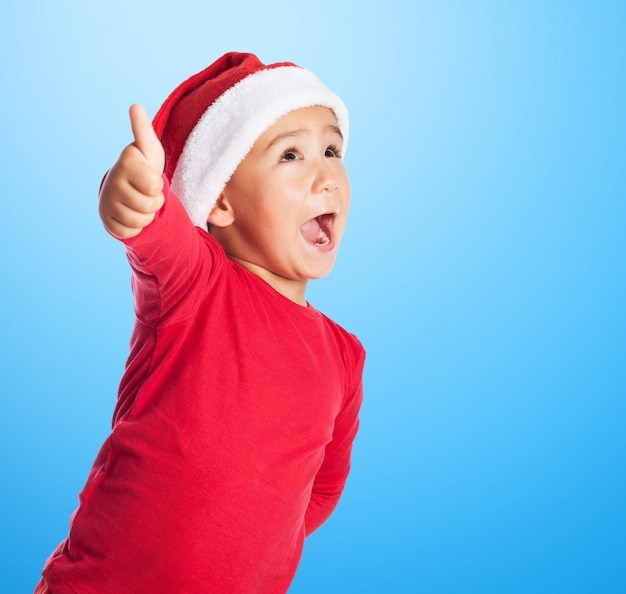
[(293, 290)]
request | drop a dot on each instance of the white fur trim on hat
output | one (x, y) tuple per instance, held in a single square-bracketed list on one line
[(230, 126)]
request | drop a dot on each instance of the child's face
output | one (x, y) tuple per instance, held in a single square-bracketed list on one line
[(283, 212)]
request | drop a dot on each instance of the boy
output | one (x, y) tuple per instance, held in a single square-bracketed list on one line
[(239, 404)]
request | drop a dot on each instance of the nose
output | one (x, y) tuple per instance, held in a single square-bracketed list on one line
[(326, 179)]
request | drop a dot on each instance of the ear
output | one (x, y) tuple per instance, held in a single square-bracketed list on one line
[(222, 214)]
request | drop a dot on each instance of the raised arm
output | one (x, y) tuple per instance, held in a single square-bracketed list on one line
[(165, 251), (132, 192)]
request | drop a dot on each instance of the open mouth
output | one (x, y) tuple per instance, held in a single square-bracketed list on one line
[(319, 231)]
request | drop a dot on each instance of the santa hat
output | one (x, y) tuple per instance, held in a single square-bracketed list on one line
[(210, 122)]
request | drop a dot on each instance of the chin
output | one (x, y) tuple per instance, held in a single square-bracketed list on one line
[(320, 272), (313, 268)]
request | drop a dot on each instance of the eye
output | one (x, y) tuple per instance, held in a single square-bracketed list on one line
[(332, 151), (289, 155)]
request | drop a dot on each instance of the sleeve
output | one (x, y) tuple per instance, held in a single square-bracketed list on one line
[(168, 258), (332, 475)]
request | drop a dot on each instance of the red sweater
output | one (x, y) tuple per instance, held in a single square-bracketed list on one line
[(231, 436)]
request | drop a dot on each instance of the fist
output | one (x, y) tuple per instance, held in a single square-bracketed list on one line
[(132, 192)]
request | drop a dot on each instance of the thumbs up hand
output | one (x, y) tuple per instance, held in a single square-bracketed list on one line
[(132, 192)]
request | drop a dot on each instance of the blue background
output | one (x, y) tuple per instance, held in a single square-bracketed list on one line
[(483, 269)]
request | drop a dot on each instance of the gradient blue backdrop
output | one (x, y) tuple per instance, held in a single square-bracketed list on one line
[(483, 268)]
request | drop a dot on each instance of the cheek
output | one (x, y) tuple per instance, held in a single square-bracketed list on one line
[(275, 215)]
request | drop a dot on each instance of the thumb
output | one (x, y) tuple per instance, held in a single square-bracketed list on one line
[(146, 139)]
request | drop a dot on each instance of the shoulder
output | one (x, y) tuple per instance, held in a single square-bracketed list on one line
[(349, 345)]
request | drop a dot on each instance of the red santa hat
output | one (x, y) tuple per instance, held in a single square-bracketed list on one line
[(210, 122)]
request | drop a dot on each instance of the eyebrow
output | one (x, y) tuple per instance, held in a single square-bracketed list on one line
[(294, 133)]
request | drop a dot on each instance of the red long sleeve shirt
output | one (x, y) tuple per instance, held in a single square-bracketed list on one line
[(231, 436)]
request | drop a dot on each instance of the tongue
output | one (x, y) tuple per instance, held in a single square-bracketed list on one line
[(311, 231)]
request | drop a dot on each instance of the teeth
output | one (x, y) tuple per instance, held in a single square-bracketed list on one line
[(322, 238)]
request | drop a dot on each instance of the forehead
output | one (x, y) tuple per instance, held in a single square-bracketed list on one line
[(307, 119)]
